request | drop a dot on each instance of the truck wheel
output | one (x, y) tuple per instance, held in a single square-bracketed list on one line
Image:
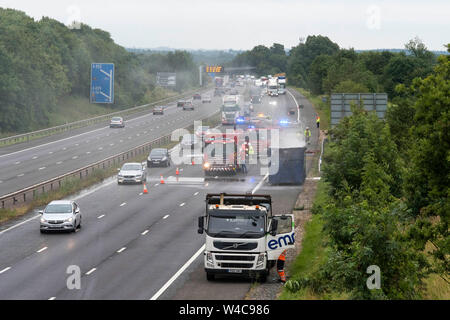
[(262, 278), (210, 276)]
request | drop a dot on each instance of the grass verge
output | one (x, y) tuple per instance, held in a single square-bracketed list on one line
[(322, 108), (313, 254)]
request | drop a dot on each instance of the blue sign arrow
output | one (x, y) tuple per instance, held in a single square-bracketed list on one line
[(102, 83)]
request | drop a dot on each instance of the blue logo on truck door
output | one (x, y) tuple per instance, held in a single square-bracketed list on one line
[(282, 241)]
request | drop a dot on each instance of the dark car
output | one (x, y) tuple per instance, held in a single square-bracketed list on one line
[(158, 110), (197, 96), (158, 157)]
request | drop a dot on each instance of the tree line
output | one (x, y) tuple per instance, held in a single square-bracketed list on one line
[(43, 61), (388, 186), (320, 65)]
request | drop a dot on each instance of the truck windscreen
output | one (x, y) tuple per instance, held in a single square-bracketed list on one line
[(230, 107), (236, 225)]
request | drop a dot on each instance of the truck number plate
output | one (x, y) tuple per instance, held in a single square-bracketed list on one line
[(235, 270)]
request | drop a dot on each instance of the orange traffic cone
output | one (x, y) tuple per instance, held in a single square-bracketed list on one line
[(145, 189), (177, 172), (162, 180), (192, 161)]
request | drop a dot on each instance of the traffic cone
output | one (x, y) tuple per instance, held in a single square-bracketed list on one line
[(177, 172), (162, 180), (145, 189), (192, 161)]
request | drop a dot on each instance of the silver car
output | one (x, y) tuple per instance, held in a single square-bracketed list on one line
[(132, 172), (117, 122), (62, 215)]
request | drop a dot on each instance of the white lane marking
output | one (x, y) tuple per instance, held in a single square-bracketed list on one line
[(296, 103), (45, 144), (182, 204), (21, 175), (41, 168), (76, 144), (260, 183), (43, 249), (177, 274), (35, 157), (75, 198), (101, 216), (111, 144), (59, 162), (141, 193), (74, 157), (4, 270), (196, 193), (17, 162), (64, 148), (52, 298), (121, 249), (88, 152), (101, 148), (206, 184), (157, 184), (50, 152), (144, 233), (166, 216), (124, 203), (90, 271)]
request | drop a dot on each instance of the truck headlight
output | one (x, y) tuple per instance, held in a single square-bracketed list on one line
[(260, 261), (209, 257)]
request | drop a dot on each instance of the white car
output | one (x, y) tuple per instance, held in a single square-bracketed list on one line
[(62, 215), (132, 172), (206, 98), (117, 122)]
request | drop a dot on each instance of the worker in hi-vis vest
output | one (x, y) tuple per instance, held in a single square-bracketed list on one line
[(307, 134), (280, 266)]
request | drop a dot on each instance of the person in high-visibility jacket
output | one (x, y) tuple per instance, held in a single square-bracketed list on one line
[(307, 134), (318, 122), (280, 266)]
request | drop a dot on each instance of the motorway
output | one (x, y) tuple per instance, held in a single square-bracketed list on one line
[(26, 164), (131, 245)]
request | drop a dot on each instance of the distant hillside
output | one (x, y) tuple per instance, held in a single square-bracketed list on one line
[(401, 50), (200, 56)]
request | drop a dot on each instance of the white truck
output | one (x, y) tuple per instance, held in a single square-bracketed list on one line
[(272, 87), (230, 109), (242, 236), (282, 85)]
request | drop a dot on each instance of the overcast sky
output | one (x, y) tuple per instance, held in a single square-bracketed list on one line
[(242, 24)]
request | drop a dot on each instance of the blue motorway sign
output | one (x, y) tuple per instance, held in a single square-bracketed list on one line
[(102, 83)]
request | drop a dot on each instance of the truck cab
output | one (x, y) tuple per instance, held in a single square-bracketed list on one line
[(243, 237), (272, 87), (230, 109)]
